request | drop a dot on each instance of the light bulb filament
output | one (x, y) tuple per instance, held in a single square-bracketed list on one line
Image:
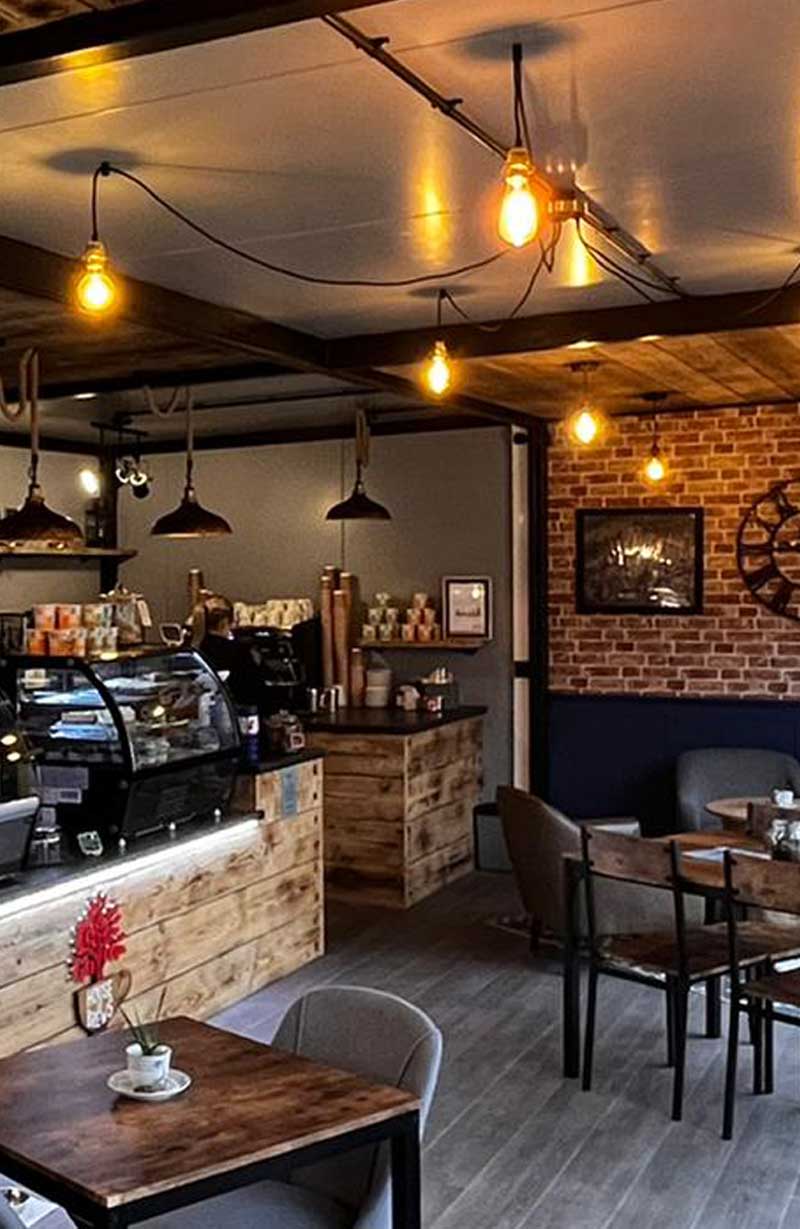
[(95, 291), (438, 370), (518, 223)]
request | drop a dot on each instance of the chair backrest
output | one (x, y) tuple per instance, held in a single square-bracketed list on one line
[(537, 837), (763, 882), (618, 856), (724, 772), (633, 860), (377, 1036)]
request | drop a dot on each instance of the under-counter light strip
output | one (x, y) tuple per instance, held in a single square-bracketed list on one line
[(106, 875)]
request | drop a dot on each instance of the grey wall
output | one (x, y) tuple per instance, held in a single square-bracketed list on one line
[(29, 581), (449, 497)]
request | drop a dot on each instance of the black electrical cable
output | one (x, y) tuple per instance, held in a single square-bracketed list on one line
[(545, 261), (631, 279), (787, 284), (108, 169)]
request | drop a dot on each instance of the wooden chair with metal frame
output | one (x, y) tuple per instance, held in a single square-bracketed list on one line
[(673, 961), (763, 884)]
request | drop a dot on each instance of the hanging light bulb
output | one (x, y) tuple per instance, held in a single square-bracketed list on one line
[(655, 469), (95, 290), (586, 425), (519, 221), (438, 371), (437, 375)]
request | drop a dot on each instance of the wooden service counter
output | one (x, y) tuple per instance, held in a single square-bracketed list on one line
[(213, 913), (400, 789)]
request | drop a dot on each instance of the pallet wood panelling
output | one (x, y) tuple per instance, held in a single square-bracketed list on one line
[(211, 924), (398, 812)]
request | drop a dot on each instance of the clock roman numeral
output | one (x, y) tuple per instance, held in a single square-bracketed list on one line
[(782, 596), (756, 580)]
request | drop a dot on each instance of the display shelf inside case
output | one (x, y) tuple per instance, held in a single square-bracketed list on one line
[(142, 710)]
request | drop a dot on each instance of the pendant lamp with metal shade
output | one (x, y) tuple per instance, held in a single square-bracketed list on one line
[(34, 524), (190, 519), (358, 506)]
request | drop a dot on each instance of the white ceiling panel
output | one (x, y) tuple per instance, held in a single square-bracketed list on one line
[(682, 116)]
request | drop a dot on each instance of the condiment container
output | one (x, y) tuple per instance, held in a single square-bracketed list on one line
[(409, 631), (36, 642)]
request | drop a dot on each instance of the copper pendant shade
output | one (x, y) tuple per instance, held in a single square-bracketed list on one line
[(34, 524), (358, 506), (190, 519)]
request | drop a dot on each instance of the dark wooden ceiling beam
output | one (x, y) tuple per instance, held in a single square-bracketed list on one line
[(140, 29), (718, 313), (56, 390), (37, 272), (305, 435)]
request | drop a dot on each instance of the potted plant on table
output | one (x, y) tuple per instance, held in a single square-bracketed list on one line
[(148, 1057)]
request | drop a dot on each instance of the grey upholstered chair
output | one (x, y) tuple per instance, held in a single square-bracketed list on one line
[(728, 772), (8, 1217), (379, 1037), (538, 836)]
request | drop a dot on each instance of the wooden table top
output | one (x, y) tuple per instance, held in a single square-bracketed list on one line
[(735, 810), (248, 1103)]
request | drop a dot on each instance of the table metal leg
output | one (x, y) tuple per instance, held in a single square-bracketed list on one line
[(571, 989), (406, 1187)]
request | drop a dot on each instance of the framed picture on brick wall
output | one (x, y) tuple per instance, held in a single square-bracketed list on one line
[(639, 561)]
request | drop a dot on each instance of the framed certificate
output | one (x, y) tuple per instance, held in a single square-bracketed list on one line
[(467, 606)]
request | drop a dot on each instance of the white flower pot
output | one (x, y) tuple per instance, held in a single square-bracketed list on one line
[(148, 1070)]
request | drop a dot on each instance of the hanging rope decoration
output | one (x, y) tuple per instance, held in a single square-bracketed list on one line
[(362, 439), (28, 385)]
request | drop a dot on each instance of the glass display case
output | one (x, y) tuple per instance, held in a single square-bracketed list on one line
[(128, 742)]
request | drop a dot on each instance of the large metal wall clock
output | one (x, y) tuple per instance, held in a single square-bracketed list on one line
[(768, 549)]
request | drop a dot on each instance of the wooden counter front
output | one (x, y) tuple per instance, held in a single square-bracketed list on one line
[(212, 917), (398, 810)]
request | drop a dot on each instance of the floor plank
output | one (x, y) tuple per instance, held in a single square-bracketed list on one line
[(511, 1145)]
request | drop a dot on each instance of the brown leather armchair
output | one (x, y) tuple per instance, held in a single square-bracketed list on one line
[(538, 836)]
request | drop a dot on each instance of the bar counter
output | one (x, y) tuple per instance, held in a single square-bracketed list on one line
[(212, 912), (399, 792)]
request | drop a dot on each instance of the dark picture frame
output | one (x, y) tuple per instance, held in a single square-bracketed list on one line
[(457, 625), (640, 561)]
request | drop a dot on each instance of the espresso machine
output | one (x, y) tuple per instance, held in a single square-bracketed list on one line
[(289, 662)]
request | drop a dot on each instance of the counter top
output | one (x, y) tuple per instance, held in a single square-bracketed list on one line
[(40, 883), (383, 721), (272, 763)]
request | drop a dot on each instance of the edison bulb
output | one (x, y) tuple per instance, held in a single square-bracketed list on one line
[(439, 370), (586, 426), (655, 469), (95, 290), (90, 481), (518, 223)]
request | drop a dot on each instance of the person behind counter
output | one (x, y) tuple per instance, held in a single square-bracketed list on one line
[(233, 662)]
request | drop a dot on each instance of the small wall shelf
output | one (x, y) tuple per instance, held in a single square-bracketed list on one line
[(81, 553), (456, 644)]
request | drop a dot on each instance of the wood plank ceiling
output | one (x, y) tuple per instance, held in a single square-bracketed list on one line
[(745, 366)]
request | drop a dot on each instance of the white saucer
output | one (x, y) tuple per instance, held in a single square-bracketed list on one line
[(176, 1082)]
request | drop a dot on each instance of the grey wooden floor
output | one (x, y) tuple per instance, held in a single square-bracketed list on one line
[(513, 1146)]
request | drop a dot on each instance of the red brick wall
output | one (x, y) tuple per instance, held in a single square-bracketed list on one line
[(721, 460)]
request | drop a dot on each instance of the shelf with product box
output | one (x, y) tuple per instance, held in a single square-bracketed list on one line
[(454, 644)]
